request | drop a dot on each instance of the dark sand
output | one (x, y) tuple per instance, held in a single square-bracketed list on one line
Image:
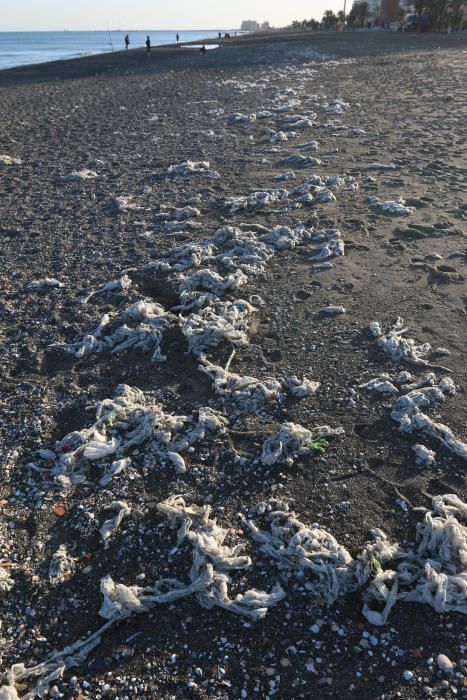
[(128, 118)]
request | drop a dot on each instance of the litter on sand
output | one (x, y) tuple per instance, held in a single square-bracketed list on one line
[(10, 160), (47, 282), (80, 176), (190, 167), (433, 571), (394, 207), (400, 348), (293, 440)]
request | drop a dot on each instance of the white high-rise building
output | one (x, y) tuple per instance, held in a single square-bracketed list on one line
[(249, 25)]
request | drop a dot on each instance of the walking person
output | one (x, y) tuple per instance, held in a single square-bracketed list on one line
[(127, 42), (148, 45)]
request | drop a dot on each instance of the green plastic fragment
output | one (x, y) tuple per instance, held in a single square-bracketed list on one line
[(319, 445), (377, 566)]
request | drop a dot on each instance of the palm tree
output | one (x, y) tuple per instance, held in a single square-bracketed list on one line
[(329, 20)]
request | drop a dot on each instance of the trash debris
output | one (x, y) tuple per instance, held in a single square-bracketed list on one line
[(117, 467), (44, 283), (423, 455), (111, 525), (382, 384), (407, 412), (10, 160), (80, 176), (255, 200), (293, 440), (331, 247), (119, 285), (396, 207), (190, 167), (399, 348), (433, 572), (333, 310)]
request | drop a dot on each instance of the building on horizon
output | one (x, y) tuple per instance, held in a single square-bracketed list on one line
[(250, 25)]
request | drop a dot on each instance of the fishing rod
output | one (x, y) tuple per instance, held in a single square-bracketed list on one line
[(110, 37)]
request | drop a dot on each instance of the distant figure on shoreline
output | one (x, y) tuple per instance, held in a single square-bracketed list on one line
[(178, 38), (220, 35), (148, 45), (127, 42), (203, 50)]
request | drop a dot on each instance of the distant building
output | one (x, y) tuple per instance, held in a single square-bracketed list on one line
[(265, 27), (249, 25)]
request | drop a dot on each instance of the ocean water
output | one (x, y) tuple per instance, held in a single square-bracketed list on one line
[(22, 48)]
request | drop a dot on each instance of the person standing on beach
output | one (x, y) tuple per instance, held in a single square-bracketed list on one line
[(148, 45), (203, 50), (178, 39), (127, 42)]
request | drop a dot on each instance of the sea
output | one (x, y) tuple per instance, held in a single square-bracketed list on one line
[(23, 48)]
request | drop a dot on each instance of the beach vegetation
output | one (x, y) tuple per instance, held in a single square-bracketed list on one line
[(358, 15)]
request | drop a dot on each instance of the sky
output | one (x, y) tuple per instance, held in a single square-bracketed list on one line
[(50, 15)]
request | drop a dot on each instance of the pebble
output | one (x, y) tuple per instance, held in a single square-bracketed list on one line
[(408, 675), (334, 310), (445, 664)]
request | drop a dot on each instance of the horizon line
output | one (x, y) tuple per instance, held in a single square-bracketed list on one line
[(44, 31)]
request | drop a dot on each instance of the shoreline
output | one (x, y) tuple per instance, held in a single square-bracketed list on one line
[(247, 47)]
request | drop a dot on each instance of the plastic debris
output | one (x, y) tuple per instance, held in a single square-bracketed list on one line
[(400, 348), (190, 167), (10, 160), (44, 283), (256, 200), (423, 455), (382, 384), (117, 467), (396, 207), (331, 247), (293, 440), (111, 525), (407, 412), (433, 572), (222, 321), (80, 176), (122, 284), (333, 310), (375, 329)]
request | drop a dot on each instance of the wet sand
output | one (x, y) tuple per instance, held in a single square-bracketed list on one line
[(128, 118)]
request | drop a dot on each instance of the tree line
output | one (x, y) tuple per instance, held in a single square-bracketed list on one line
[(440, 14)]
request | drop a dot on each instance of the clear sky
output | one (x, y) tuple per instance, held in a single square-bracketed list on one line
[(49, 15)]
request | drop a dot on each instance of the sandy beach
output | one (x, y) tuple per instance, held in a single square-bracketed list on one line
[(238, 279)]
